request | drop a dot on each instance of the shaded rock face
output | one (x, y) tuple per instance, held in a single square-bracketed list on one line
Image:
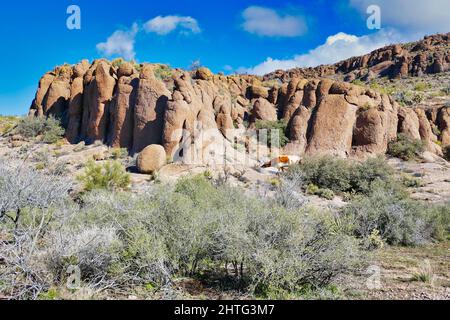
[(428, 56), (132, 109), (151, 102)]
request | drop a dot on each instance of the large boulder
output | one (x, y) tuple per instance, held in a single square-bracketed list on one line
[(44, 85), (263, 110), (408, 123), (126, 69), (151, 159), (332, 128), (57, 98), (203, 74)]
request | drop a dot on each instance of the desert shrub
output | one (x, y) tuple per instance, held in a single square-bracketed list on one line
[(421, 86), (119, 153), (399, 220), (276, 130), (7, 124), (288, 192), (326, 172), (28, 200), (198, 227), (312, 189), (271, 248), (49, 128), (410, 181), (405, 148), (409, 98), (163, 72), (116, 63), (326, 194), (325, 175), (110, 175), (94, 250), (364, 174)]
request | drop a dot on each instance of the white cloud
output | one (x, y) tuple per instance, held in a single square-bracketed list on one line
[(336, 48), (165, 25), (120, 43), (424, 16), (267, 22)]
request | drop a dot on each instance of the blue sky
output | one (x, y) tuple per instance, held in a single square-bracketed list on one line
[(254, 36)]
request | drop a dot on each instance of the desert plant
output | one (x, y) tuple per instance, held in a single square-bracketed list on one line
[(276, 130), (49, 128), (119, 153), (163, 72), (399, 220), (421, 86), (405, 148), (325, 172), (109, 175)]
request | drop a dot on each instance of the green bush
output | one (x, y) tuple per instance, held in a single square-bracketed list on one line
[(399, 220), (325, 172), (197, 228), (163, 72), (342, 176), (49, 128), (119, 153), (312, 189), (109, 175), (272, 127), (405, 148)]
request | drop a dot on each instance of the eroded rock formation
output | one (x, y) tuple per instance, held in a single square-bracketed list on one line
[(132, 107)]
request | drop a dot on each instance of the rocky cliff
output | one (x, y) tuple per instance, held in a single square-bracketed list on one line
[(133, 106), (428, 56)]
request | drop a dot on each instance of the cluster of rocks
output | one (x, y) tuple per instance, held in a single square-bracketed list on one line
[(428, 56), (132, 107)]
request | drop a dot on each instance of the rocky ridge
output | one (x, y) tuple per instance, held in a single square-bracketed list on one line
[(428, 56), (135, 106)]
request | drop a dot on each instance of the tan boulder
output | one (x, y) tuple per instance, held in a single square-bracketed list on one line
[(263, 110), (126, 69), (203, 74), (408, 123), (151, 159), (259, 92), (369, 133), (309, 96), (57, 98), (44, 85), (80, 69), (332, 129)]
